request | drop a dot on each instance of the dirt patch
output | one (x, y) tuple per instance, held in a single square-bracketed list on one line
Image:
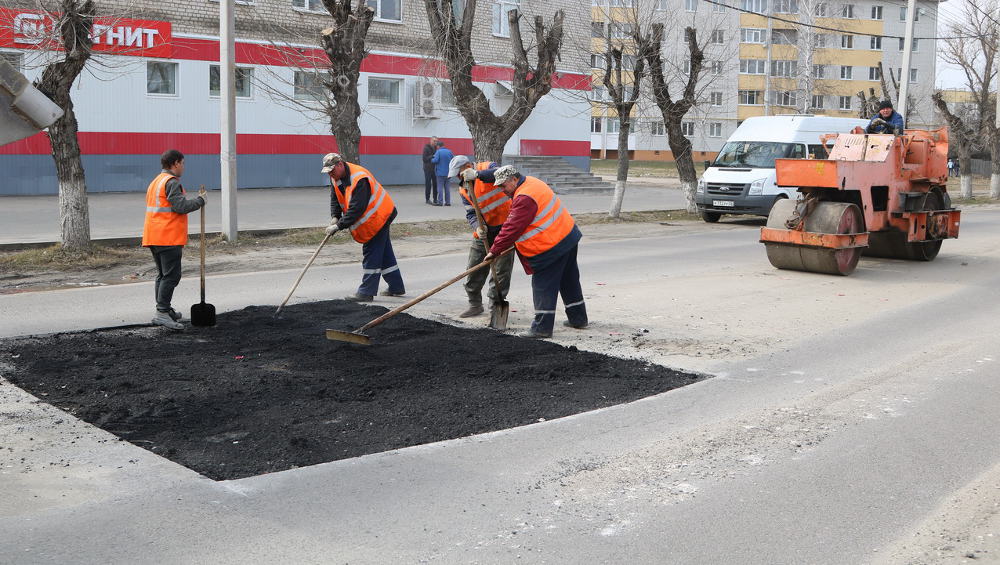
[(256, 394)]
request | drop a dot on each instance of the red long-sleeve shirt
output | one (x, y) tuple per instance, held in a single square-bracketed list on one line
[(522, 212)]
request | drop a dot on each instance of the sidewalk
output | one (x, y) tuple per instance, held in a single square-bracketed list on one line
[(35, 219)]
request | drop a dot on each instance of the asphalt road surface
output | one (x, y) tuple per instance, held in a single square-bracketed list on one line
[(846, 414)]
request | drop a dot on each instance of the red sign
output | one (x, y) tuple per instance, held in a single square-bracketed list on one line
[(32, 29)]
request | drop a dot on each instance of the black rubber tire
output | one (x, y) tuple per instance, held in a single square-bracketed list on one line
[(710, 217)]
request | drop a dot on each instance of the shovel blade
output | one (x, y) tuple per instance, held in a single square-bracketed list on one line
[(203, 314), (498, 315), (351, 337)]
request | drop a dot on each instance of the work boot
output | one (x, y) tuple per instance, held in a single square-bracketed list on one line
[(388, 292), (359, 298), (473, 310), (175, 315), (569, 324), (532, 334), (164, 319)]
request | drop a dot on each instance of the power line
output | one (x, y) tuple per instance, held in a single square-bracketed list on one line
[(797, 23)]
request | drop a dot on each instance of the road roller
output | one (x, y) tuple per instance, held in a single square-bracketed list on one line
[(881, 195)]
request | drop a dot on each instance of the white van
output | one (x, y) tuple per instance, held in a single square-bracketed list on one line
[(741, 180)]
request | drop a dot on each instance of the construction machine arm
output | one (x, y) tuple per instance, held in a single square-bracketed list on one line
[(24, 110)]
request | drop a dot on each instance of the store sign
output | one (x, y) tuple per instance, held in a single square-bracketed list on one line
[(31, 29)]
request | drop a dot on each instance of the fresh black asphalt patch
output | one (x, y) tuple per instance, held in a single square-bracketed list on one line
[(258, 394)]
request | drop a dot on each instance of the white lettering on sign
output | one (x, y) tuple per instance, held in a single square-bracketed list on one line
[(124, 36), (30, 29)]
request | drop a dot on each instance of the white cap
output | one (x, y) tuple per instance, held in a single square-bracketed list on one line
[(457, 162)]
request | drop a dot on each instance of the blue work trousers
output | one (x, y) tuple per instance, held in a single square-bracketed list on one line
[(443, 191), (379, 261), (561, 277)]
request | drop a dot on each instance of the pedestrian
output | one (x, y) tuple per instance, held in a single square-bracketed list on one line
[(958, 167), (360, 204), (441, 158), (495, 206), (951, 167), (165, 232), (546, 238), (430, 179)]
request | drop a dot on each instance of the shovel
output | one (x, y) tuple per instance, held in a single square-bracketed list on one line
[(501, 308), (360, 337), (202, 314), (302, 274)]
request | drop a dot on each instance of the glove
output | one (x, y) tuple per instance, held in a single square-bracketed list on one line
[(469, 175), (331, 229), (334, 220), (203, 194), (481, 232)]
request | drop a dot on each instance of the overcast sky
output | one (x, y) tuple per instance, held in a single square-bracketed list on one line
[(947, 75)]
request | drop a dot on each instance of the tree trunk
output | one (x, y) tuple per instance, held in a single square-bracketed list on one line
[(619, 196), (488, 144), (74, 214), (344, 125), (965, 171), (680, 146)]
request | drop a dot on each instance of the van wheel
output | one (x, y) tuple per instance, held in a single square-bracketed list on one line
[(710, 217)]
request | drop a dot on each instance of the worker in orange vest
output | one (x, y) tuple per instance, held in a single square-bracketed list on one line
[(495, 205), (165, 232), (546, 238), (360, 204)]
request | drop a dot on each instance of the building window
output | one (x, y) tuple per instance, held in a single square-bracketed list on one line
[(750, 97), (819, 40), (847, 42), (816, 102), (308, 86), (715, 98), (244, 76), (619, 30), (384, 90), (717, 67), (876, 12), (620, 3), (759, 6), (902, 14), (913, 47), (875, 43), (752, 66), (13, 58), (752, 35), (628, 62), (691, 5), (846, 72), (784, 68), (784, 37), (597, 61), (913, 75), (501, 21), (614, 125), (719, 8), (785, 98), (388, 10), (785, 6), (847, 11), (597, 93), (657, 129), (448, 99), (874, 73), (161, 78), (819, 71), (309, 5), (821, 9), (715, 129), (595, 125), (597, 29), (845, 102), (718, 36), (687, 128), (686, 66)]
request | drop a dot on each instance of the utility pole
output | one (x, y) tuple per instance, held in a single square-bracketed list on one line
[(904, 80), (767, 67), (227, 103)]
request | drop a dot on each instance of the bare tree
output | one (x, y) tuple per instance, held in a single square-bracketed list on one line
[(344, 45), (73, 26), (973, 48), (962, 136), (624, 94), (673, 111), (454, 35)]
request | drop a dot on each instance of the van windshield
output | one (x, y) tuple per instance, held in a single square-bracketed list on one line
[(757, 154)]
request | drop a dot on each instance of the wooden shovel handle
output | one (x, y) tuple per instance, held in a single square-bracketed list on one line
[(430, 292), (302, 274), (202, 245)]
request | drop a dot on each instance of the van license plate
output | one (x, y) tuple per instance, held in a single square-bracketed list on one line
[(723, 203)]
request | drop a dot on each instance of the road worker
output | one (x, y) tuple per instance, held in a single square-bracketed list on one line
[(886, 120)]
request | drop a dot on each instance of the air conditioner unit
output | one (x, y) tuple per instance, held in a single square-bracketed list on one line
[(427, 100)]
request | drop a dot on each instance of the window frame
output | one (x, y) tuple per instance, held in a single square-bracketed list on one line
[(873, 73), (719, 34), (757, 63), (814, 98), (690, 5), (752, 31), (306, 9), (841, 106), (657, 128), (368, 91), (176, 79), (249, 83), (877, 10), (689, 127), (847, 12), (715, 95), (296, 87), (875, 43), (617, 128), (714, 129), (846, 70), (846, 41), (745, 97), (378, 11), (598, 122), (498, 17)]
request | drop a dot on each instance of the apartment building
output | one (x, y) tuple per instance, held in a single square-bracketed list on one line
[(764, 57), (153, 84)]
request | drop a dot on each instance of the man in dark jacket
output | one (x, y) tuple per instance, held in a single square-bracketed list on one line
[(430, 179), (886, 120)]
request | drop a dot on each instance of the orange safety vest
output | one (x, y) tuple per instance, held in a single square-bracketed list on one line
[(493, 203), (550, 225), (163, 226), (380, 204)]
